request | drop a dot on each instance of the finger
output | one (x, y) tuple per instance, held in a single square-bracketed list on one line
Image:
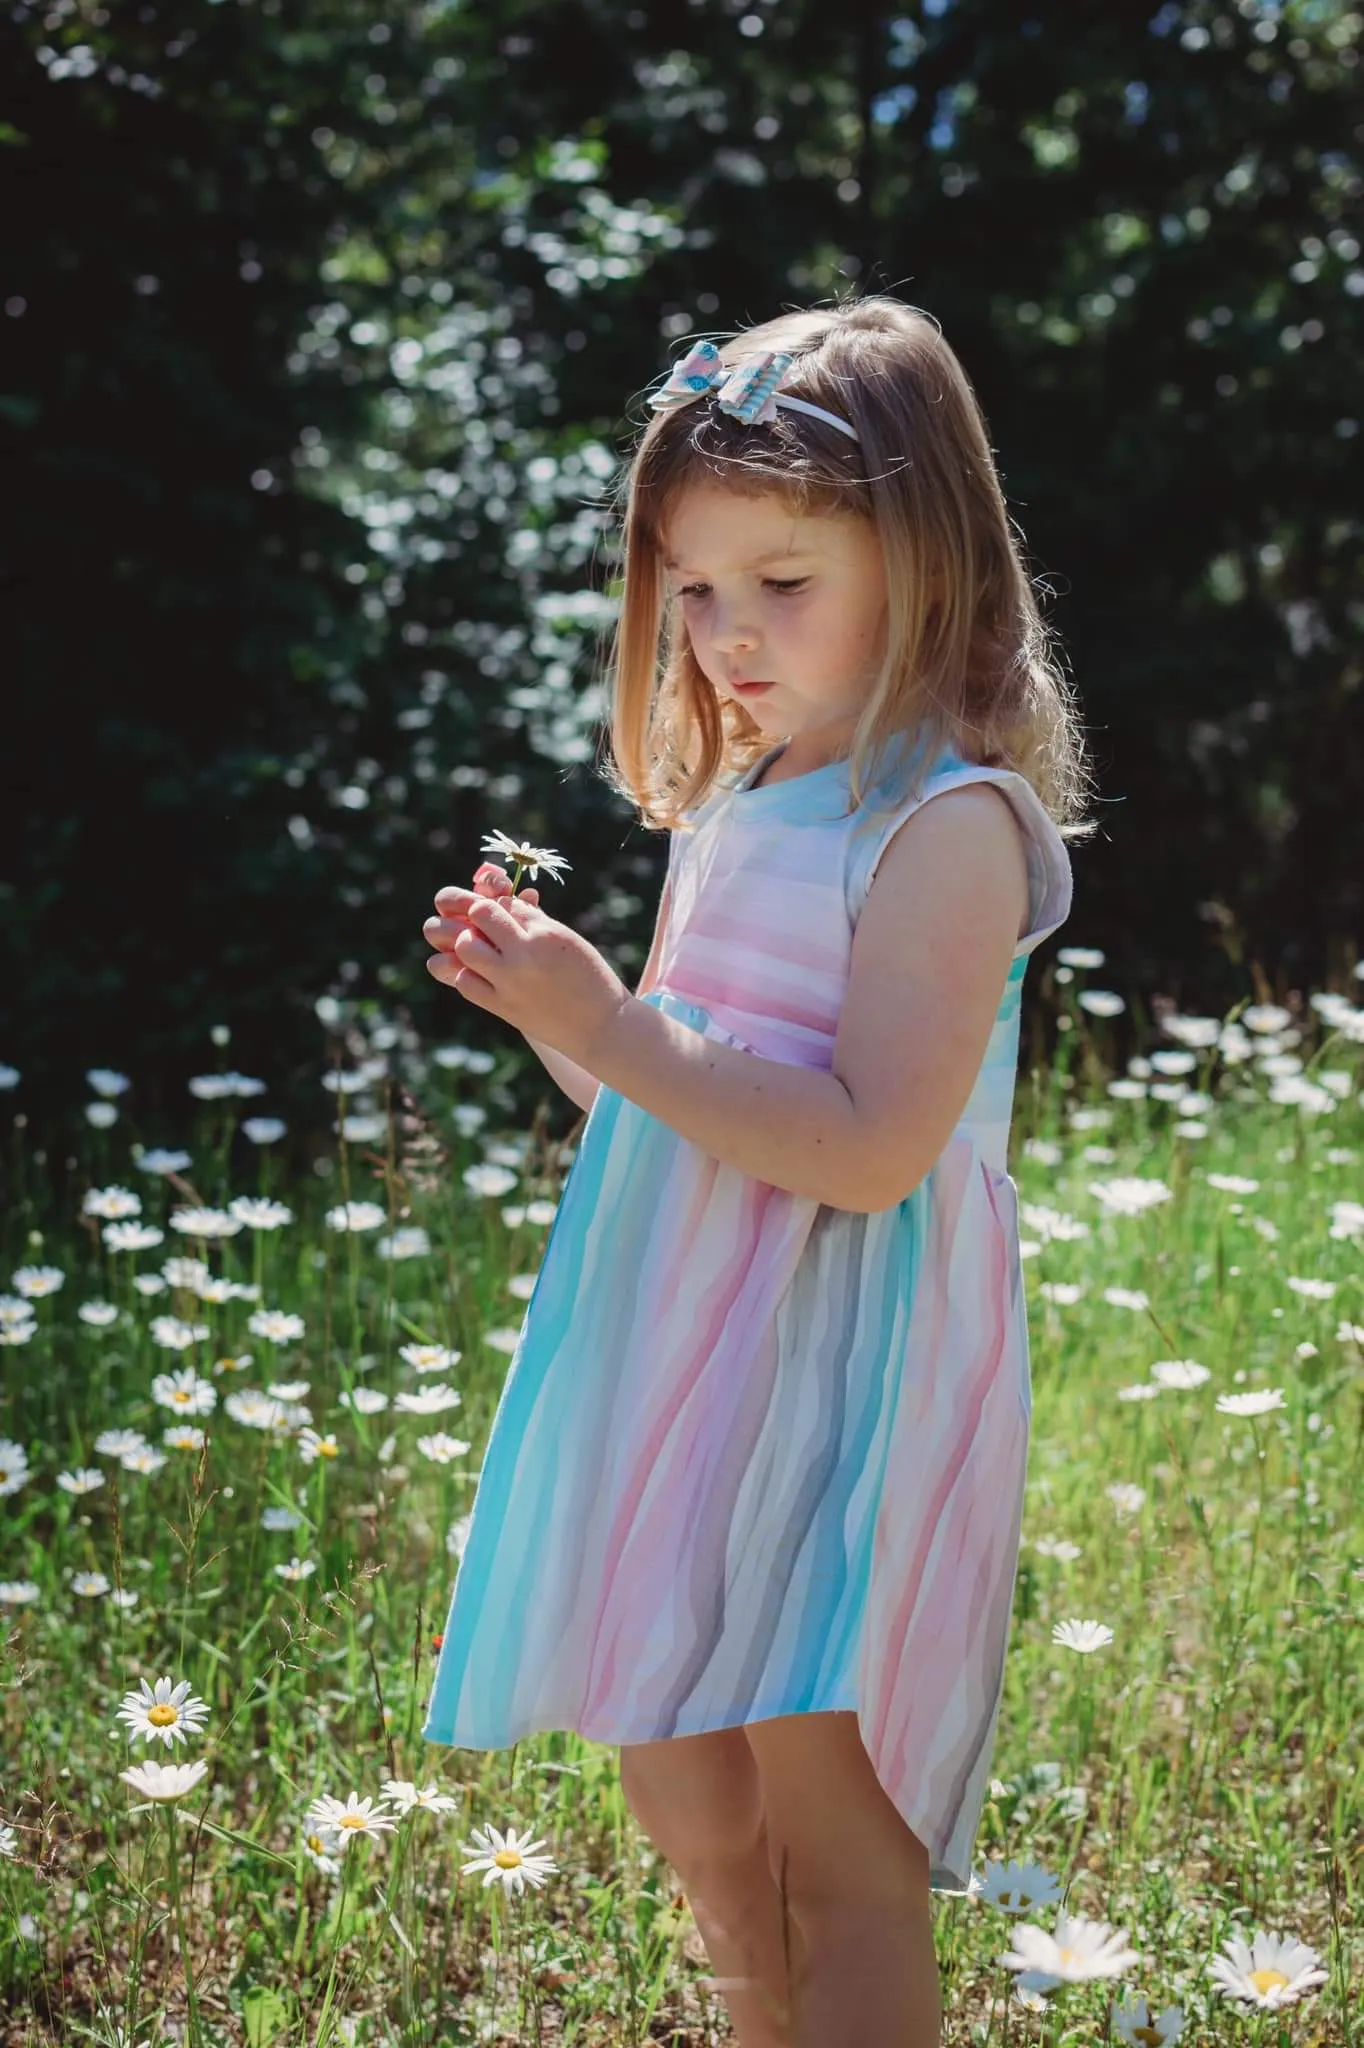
[(443, 931), (498, 925), (447, 971), (453, 901)]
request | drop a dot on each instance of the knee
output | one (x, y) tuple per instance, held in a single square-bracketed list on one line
[(699, 1828), (843, 1895)]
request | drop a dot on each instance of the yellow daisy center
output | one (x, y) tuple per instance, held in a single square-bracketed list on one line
[(315, 1844), (164, 1716), (507, 1859), (1150, 2037), (1268, 1980), (352, 1820), (182, 1395), (328, 1450)]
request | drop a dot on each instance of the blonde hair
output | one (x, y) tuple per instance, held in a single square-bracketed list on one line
[(968, 663)]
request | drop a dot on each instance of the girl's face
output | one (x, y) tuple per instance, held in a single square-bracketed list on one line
[(797, 603)]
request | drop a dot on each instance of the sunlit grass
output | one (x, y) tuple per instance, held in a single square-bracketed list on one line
[(239, 1458)]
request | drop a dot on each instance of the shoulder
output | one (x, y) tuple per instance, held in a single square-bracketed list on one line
[(964, 849)]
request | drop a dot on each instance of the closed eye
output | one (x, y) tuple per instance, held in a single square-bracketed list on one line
[(787, 586)]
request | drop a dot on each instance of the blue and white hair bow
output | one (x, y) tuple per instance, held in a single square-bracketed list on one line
[(747, 391)]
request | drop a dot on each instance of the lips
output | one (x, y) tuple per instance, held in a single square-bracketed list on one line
[(744, 688)]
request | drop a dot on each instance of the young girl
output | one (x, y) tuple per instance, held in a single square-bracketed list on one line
[(751, 1504)]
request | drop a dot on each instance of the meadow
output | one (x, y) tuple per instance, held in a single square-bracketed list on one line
[(244, 1404)]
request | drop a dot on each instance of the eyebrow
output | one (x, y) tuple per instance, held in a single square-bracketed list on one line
[(758, 561)]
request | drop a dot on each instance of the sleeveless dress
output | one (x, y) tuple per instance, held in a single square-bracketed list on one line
[(755, 1455)]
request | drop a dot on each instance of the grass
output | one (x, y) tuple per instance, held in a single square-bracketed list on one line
[(1189, 1779)]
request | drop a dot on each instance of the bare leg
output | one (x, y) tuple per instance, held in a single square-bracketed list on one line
[(872, 1981), (698, 1799), (756, 1966), (858, 1882)]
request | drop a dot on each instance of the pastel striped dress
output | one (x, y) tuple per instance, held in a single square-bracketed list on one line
[(755, 1455)]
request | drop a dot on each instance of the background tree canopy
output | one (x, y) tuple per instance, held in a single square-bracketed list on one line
[(325, 326)]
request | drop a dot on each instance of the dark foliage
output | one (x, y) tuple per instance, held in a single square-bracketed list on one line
[(323, 325)]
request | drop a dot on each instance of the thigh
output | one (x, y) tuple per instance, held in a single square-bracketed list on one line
[(696, 1796), (835, 1839)]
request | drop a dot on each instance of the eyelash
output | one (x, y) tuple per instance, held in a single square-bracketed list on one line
[(787, 588)]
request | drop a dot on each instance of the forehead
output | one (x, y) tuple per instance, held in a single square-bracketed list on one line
[(712, 524)]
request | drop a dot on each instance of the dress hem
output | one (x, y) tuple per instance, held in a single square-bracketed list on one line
[(940, 1879)]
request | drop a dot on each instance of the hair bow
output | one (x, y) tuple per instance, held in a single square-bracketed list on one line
[(747, 391)]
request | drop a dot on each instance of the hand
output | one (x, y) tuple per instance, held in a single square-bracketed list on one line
[(505, 954)]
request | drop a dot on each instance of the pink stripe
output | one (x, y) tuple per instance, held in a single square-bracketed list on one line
[(947, 1202), (676, 1378)]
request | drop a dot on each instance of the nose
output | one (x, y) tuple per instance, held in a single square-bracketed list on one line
[(729, 631)]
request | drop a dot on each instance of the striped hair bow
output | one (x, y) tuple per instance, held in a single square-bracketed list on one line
[(747, 391)]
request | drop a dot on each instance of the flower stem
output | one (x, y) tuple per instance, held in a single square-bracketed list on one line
[(194, 2034)]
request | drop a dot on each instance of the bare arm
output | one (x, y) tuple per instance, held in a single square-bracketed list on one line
[(580, 1086), (930, 961)]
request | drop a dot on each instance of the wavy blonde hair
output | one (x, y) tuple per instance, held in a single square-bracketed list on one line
[(968, 662)]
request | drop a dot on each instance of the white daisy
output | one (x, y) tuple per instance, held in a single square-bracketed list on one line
[(322, 1846), (1084, 1636), (410, 1242), (173, 1333), (1179, 1372), (428, 1400), (116, 1443), (349, 1817), (429, 1357), (1131, 1195), (1079, 1950), (297, 1568), (1126, 1297), (132, 1235), (36, 1281), (167, 1711), (509, 1859), (1137, 2024), (83, 1480), (145, 1461), (185, 1392), (263, 1130), (276, 1325), (403, 1794), (364, 1400), (355, 1216), (19, 1592), (1259, 1401), (258, 1213), (98, 1314), (107, 1081), (205, 1223), (1017, 1887), (311, 1446), (183, 1436), (523, 855), (158, 1160), (280, 1518), (91, 1584), (442, 1449), (256, 1410), (164, 1781), (111, 1202), (1273, 1971), (288, 1390)]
